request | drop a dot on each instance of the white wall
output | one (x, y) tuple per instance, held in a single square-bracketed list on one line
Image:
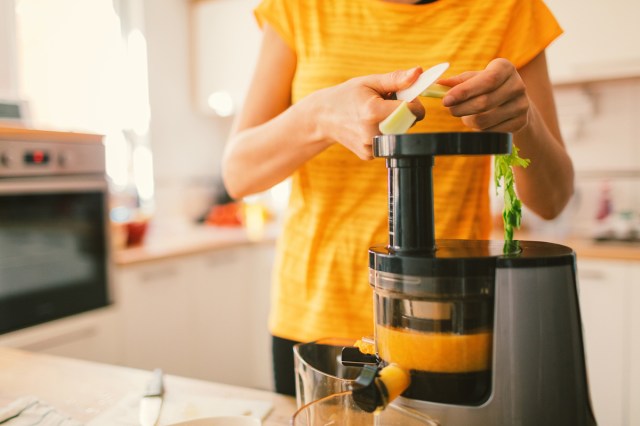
[(8, 78), (187, 145), (601, 128)]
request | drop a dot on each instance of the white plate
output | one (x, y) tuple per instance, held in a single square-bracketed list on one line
[(221, 421), (426, 79)]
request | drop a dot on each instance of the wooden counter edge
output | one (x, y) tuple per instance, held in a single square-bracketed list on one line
[(39, 135)]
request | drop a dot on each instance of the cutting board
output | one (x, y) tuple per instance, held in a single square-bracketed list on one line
[(125, 412)]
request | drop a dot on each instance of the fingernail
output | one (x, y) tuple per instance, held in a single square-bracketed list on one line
[(411, 71)]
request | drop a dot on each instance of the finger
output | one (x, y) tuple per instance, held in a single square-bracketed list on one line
[(457, 79), (511, 89), (494, 76), (391, 82), (511, 125), (365, 150), (514, 111), (417, 109)]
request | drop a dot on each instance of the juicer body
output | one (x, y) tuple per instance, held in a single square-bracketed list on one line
[(491, 333), (538, 367)]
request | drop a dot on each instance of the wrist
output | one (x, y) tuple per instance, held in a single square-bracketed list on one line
[(315, 119)]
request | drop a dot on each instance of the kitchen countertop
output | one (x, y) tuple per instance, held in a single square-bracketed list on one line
[(86, 390), (37, 135), (193, 239), (180, 240), (587, 248)]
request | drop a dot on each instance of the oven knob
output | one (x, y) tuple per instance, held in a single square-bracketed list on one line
[(65, 159), (6, 159)]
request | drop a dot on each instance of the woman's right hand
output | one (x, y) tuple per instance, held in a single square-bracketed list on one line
[(350, 113), (271, 138)]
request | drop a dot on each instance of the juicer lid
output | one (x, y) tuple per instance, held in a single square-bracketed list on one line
[(464, 258)]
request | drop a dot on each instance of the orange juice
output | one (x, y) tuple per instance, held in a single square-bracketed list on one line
[(434, 352)]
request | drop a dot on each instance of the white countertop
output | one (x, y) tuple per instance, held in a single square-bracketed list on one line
[(172, 240)]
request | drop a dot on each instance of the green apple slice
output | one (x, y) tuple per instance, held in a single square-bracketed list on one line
[(399, 121), (435, 91)]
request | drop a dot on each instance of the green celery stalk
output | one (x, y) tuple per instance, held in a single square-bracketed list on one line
[(512, 212)]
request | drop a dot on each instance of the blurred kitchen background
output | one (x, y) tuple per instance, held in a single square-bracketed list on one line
[(189, 270)]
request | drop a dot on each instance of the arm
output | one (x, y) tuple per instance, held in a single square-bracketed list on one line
[(504, 99), (272, 138)]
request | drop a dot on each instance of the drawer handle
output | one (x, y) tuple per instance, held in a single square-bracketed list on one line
[(150, 276), (591, 274)]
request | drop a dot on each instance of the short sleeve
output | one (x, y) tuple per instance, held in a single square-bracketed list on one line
[(278, 14), (531, 29)]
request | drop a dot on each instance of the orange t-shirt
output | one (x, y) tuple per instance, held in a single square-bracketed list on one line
[(338, 203)]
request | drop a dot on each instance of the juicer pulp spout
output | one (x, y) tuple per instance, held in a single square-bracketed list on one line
[(375, 388)]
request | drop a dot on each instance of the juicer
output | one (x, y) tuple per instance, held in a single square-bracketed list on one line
[(488, 337)]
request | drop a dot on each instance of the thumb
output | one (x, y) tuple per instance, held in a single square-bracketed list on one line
[(393, 81)]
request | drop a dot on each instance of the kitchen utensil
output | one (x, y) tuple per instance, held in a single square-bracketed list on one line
[(151, 402), (319, 370), (426, 79), (485, 338), (340, 409)]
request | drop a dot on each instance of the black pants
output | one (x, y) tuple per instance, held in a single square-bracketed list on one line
[(283, 371)]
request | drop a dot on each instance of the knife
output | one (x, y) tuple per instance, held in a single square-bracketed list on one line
[(152, 400)]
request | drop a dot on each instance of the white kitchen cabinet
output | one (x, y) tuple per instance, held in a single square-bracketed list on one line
[(202, 315), (634, 359), (156, 299), (600, 40), (603, 289), (90, 335), (231, 316)]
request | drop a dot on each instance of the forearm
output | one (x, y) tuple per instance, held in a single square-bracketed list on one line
[(546, 185), (259, 157)]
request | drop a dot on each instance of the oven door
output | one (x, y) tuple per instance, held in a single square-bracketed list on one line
[(54, 248)]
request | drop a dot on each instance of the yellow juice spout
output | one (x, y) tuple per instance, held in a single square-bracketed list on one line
[(375, 388), (395, 379)]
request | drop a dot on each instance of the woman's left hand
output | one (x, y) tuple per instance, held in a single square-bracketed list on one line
[(494, 99)]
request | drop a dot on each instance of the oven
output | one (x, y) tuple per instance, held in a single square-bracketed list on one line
[(54, 239)]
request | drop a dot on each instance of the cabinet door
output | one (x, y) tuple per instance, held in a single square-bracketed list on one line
[(634, 376), (260, 301), (157, 311), (603, 300), (599, 41), (231, 308)]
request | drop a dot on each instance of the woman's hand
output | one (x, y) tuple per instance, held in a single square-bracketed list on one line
[(494, 99), (350, 113)]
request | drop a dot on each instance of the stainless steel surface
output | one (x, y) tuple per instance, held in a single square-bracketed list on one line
[(54, 196), (55, 158), (151, 402), (539, 375)]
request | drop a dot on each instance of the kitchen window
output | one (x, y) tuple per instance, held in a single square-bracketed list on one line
[(82, 65)]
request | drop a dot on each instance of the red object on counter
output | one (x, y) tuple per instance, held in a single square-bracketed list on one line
[(225, 215), (136, 232)]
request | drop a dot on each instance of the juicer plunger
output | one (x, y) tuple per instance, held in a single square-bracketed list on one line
[(487, 338)]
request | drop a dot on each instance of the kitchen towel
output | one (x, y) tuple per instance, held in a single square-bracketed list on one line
[(29, 411)]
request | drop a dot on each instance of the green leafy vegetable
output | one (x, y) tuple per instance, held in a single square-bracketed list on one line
[(512, 213)]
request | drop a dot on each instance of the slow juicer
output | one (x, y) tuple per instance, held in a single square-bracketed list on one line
[(488, 337)]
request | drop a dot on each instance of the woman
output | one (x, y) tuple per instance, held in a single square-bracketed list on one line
[(320, 89)]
